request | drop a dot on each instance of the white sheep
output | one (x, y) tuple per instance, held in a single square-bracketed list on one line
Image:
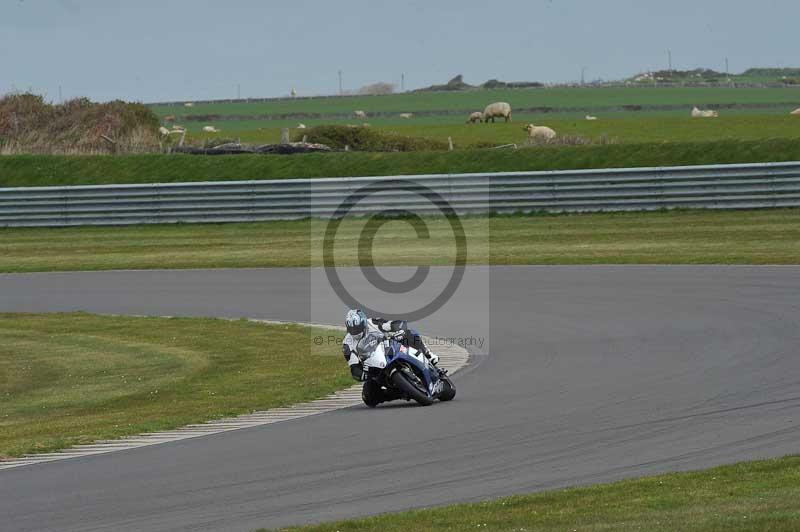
[(406, 115), (301, 126), (164, 131), (359, 114), (477, 116), (796, 112), (188, 104), (539, 132), (176, 127), (497, 110), (590, 117), (210, 129), (706, 113)]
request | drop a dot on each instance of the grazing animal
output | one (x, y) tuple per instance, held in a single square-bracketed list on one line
[(539, 132), (406, 115), (188, 104), (497, 110), (590, 117), (164, 131), (796, 112), (477, 116), (169, 118), (176, 127), (210, 129), (359, 114), (301, 126), (706, 113)]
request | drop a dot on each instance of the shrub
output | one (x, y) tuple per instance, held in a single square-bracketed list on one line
[(367, 139), (29, 124), (377, 89)]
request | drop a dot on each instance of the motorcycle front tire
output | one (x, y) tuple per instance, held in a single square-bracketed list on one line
[(371, 394), (401, 381), (448, 390)]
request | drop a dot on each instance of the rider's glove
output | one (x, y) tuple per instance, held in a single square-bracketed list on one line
[(433, 358), (358, 373)]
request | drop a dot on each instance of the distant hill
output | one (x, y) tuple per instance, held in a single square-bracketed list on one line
[(458, 84), (707, 75)]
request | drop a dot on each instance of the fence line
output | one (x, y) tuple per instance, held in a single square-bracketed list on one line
[(762, 185)]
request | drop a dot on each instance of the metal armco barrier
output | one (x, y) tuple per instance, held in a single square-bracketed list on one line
[(720, 186)]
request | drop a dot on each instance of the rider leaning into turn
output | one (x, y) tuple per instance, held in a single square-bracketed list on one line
[(357, 324)]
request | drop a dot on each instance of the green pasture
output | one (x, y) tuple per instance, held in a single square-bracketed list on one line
[(624, 129), (588, 97)]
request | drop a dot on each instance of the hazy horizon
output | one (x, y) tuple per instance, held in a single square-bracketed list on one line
[(181, 50)]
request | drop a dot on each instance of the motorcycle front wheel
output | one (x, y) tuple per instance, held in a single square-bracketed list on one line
[(411, 386), (448, 391)]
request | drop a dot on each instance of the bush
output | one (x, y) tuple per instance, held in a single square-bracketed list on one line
[(377, 89), (29, 124), (366, 139)]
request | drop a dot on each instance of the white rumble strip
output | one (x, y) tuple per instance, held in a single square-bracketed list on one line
[(451, 357)]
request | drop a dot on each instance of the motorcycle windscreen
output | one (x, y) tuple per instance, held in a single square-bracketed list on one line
[(371, 351)]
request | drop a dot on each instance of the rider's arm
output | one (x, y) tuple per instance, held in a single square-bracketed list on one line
[(389, 326), (356, 367)]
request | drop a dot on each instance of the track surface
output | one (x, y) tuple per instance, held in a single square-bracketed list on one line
[(595, 373)]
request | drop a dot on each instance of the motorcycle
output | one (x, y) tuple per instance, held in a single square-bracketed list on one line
[(398, 371)]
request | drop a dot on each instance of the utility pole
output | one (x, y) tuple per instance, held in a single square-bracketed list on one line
[(727, 72), (340, 83), (583, 70), (60, 99), (238, 91), (403, 82), (669, 59)]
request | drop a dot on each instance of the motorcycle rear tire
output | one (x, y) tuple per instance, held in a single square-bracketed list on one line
[(401, 381)]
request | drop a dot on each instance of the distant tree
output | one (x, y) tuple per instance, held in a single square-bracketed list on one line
[(377, 89)]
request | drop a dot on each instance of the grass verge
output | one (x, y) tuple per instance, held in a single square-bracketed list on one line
[(747, 496), (664, 237), (68, 379), (52, 170)]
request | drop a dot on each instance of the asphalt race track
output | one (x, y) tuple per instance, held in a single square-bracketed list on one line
[(592, 374)]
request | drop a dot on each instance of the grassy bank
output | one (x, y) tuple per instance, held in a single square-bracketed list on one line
[(75, 378), (748, 496), (674, 237), (33, 170)]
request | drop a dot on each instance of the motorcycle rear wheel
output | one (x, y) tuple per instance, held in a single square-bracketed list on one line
[(405, 384)]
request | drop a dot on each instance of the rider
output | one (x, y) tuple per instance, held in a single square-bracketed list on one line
[(357, 324)]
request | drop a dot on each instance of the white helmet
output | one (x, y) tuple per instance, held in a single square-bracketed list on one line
[(355, 321)]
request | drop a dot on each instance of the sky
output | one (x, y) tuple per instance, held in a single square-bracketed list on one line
[(168, 50)]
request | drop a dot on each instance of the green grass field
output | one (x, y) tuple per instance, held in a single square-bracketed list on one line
[(52, 170), (674, 237), (622, 129), (476, 100), (749, 496), (76, 378)]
